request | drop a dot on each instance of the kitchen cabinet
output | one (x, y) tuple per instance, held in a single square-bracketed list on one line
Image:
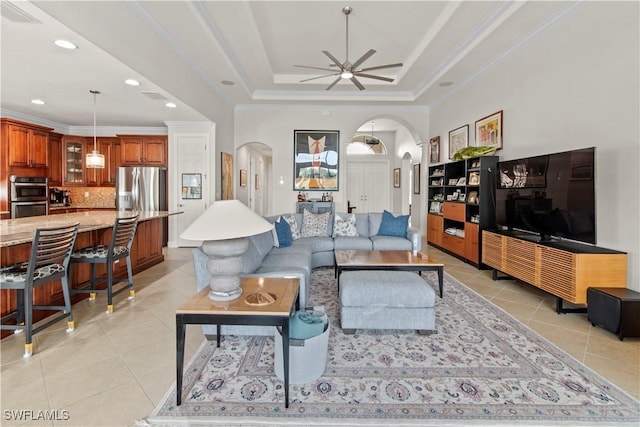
[(73, 149), (109, 147), (143, 150), (55, 159), (28, 144)]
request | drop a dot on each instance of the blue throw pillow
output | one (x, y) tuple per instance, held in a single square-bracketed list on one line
[(283, 230), (393, 225)]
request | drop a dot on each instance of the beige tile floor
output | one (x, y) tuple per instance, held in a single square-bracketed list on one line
[(114, 369)]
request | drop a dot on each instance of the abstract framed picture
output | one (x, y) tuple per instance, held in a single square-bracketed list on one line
[(243, 178), (396, 178), (489, 131), (434, 149), (458, 139), (416, 178), (316, 160), (226, 180)]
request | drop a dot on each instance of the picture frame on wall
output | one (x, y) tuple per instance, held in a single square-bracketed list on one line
[(416, 178), (243, 178), (316, 160), (434, 150), (226, 180), (458, 139), (489, 131), (396, 178)]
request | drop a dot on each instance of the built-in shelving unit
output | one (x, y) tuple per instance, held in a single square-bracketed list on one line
[(461, 203)]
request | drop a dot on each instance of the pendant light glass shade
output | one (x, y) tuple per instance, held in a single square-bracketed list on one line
[(94, 159)]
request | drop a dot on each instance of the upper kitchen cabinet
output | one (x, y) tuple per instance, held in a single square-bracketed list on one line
[(73, 149), (55, 159), (142, 150), (28, 144), (109, 147)]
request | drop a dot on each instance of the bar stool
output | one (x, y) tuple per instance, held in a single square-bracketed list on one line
[(119, 247), (48, 261)]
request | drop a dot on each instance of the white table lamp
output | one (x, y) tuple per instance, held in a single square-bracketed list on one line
[(223, 229)]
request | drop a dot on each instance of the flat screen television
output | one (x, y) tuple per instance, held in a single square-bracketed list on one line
[(551, 195)]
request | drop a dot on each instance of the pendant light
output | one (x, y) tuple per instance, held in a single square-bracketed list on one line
[(95, 160), (373, 140)]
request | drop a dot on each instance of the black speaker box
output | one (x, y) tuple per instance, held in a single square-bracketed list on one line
[(615, 309)]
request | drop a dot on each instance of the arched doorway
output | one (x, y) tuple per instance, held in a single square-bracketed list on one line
[(254, 176)]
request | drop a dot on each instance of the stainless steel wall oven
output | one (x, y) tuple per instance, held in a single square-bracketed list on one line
[(29, 196)]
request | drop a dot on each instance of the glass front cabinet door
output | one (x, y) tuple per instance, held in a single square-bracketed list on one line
[(73, 161)]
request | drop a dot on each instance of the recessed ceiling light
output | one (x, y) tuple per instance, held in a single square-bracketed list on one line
[(132, 82), (170, 105), (445, 84), (65, 44), (227, 82), (38, 101)]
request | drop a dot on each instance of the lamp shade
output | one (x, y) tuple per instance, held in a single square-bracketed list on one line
[(94, 160), (226, 219)]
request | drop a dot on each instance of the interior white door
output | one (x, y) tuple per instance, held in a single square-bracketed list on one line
[(193, 157), (368, 186)]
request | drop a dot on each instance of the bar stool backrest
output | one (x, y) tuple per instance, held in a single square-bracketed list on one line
[(52, 246), (123, 232)]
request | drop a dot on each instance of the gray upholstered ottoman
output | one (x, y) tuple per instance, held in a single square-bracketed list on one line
[(384, 299)]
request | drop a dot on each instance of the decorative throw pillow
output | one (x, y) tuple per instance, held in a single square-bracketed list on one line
[(393, 225), (293, 224), (314, 225), (345, 227), (283, 233)]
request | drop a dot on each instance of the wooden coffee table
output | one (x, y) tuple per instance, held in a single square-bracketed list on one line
[(387, 260), (201, 310)]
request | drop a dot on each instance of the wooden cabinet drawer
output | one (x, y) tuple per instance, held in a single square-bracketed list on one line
[(453, 244), (454, 211), (434, 229)]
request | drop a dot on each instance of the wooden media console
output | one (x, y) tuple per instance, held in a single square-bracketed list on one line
[(563, 269)]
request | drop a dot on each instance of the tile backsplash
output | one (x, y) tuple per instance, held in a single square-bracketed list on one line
[(91, 197)]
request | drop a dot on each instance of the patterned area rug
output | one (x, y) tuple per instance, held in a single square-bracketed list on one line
[(483, 367)]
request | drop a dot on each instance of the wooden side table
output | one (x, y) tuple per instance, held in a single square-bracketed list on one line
[(615, 309), (202, 311)]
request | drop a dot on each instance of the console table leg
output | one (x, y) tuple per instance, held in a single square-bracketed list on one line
[(561, 310), (180, 333), (285, 356)]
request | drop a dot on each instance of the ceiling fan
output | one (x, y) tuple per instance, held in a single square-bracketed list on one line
[(347, 70)]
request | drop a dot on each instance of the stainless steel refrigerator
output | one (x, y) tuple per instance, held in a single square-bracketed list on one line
[(142, 188)]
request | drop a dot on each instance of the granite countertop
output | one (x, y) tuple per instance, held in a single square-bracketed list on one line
[(21, 230)]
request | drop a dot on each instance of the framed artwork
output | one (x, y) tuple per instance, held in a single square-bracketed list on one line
[(434, 149), (396, 178), (315, 160), (458, 139), (226, 180), (416, 178), (489, 131), (243, 178), (192, 186), (474, 178), (257, 182)]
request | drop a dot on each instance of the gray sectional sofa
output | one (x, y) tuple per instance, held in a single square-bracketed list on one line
[(306, 253)]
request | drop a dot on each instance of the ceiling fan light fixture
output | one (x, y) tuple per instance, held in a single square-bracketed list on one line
[(346, 74)]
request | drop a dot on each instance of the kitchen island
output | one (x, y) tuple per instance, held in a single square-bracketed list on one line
[(95, 228)]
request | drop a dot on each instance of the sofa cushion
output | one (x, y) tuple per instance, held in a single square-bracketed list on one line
[(283, 233), (263, 242), (356, 243), (294, 224), (393, 225), (251, 259), (297, 246), (345, 227), (314, 225), (390, 243), (319, 244), (375, 218), (286, 261)]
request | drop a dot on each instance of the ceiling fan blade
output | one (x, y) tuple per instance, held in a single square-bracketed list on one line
[(357, 83), (380, 67), (314, 68), (364, 57), (333, 58), (334, 83), (319, 77), (371, 76)]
